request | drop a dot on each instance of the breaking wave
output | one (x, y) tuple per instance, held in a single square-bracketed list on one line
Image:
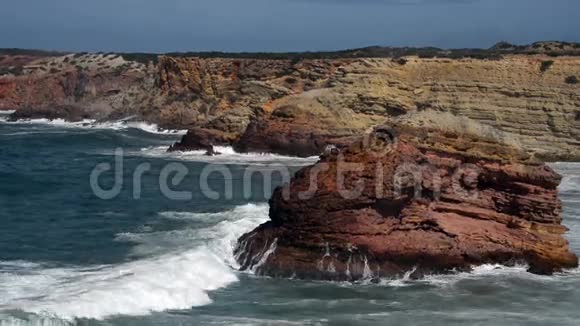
[(94, 124), (4, 115), (571, 176), (227, 156), (570, 184), (179, 269)]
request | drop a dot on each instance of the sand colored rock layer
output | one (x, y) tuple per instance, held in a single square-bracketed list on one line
[(299, 106)]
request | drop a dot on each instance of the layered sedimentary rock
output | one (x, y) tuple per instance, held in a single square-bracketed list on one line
[(431, 193), (298, 106), (513, 95)]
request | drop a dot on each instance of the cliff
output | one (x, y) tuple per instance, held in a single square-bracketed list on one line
[(514, 94), (300, 103), (431, 193)]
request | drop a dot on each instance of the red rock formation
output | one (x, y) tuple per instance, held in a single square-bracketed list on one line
[(445, 195), (231, 83), (295, 136), (7, 99)]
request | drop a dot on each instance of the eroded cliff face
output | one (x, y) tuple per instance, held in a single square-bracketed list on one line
[(431, 194), (226, 94), (78, 86), (300, 106), (512, 95), (351, 96)]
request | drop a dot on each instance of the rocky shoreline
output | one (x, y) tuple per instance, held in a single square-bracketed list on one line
[(298, 104), (432, 161)]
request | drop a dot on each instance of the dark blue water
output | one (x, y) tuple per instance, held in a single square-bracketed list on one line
[(70, 257)]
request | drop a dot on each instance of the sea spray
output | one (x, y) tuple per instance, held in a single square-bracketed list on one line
[(95, 124), (227, 156), (178, 277)]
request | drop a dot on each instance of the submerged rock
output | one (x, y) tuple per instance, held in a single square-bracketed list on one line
[(433, 194)]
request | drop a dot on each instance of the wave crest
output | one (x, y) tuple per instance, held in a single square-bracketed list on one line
[(178, 276), (228, 156), (94, 124)]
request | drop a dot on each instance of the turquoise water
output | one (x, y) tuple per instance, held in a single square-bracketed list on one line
[(68, 257)]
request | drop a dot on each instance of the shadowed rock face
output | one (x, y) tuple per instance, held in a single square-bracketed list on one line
[(302, 135), (432, 201), (201, 139)]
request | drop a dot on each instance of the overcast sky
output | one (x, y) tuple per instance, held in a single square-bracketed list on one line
[(281, 25)]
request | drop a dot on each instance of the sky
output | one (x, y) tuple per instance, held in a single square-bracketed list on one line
[(281, 25)]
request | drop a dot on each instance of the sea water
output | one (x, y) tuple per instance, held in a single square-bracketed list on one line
[(68, 257)]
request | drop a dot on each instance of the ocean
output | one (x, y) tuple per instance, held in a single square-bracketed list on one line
[(71, 255)]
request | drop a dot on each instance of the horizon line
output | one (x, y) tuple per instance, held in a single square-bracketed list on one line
[(55, 51)]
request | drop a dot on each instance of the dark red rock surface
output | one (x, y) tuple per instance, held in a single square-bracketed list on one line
[(293, 137), (201, 139), (432, 201)]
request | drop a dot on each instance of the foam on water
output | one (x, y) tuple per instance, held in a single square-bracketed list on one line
[(479, 272), (173, 281), (147, 127), (94, 124), (7, 320), (228, 156), (491, 272), (571, 176), (570, 184), (219, 236), (4, 114), (178, 277)]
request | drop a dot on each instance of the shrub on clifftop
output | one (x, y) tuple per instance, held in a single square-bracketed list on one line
[(572, 80), (545, 66)]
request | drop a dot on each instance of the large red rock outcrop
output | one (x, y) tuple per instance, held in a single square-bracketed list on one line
[(431, 195)]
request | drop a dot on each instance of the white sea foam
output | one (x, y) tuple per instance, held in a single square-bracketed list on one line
[(564, 165), (4, 114), (218, 237), (571, 176), (93, 124), (492, 272), (147, 127), (479, 272), (7, 320), (172, 281), (228, 156), (179, 278), (570, 184), (17, 264)]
